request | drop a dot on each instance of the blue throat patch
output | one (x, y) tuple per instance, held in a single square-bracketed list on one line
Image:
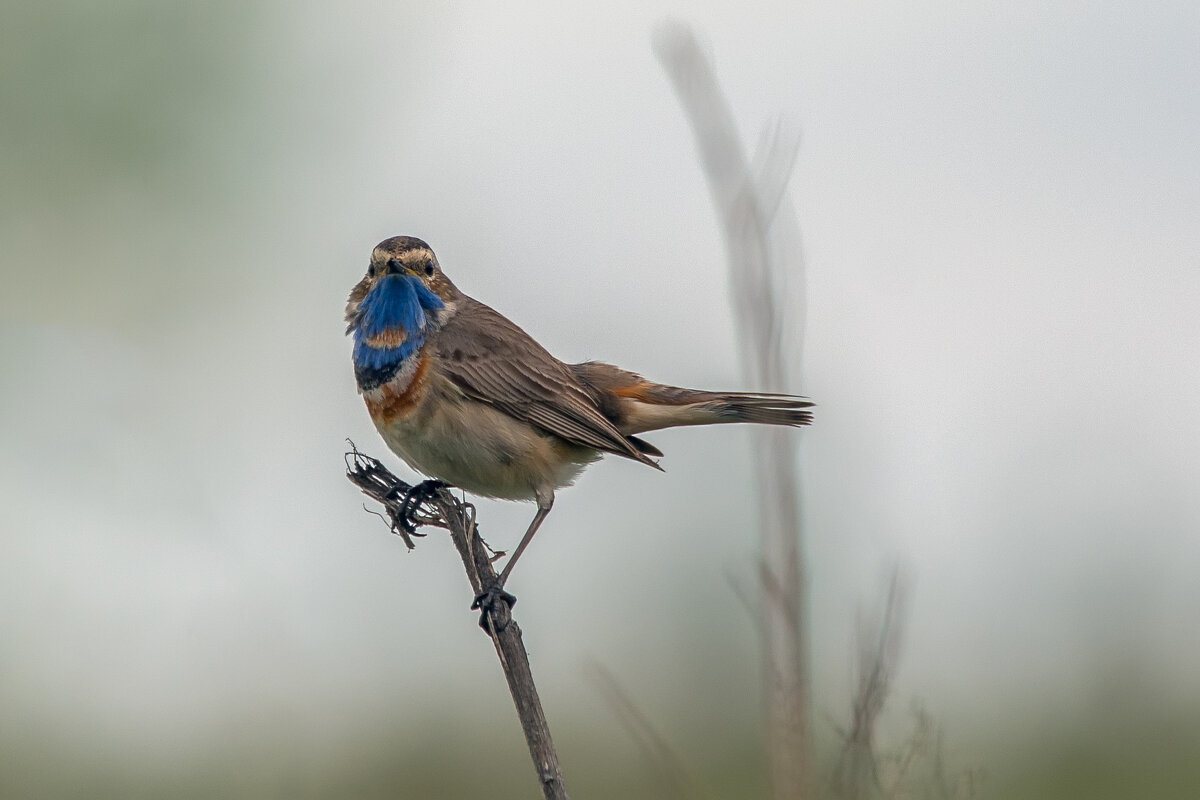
[(396, 305)]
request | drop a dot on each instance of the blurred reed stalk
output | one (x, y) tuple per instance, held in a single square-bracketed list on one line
[(441, 510), (674, 780), (762, 242), (857, 774)]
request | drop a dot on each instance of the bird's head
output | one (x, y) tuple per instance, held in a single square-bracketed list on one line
[(403, 279)]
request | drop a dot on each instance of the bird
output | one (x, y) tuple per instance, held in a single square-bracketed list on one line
[(469, 399)]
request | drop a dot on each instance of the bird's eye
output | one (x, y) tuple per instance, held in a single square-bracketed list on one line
[(371, 270), (429, 267)]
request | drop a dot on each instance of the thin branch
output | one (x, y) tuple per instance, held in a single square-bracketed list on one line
[(443, 511)]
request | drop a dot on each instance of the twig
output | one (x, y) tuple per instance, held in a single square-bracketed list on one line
[(443, 511)]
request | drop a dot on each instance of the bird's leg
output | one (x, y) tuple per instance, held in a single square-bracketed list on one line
[(493, 599), (412, 501), (542, 512)]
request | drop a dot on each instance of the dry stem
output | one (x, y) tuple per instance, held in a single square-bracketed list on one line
[(443, 511)]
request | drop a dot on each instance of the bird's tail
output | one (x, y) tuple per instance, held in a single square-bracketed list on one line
[(636, 405), (768, 409)]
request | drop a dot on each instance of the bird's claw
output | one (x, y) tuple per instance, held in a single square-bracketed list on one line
[(497, 604), (412, 501)]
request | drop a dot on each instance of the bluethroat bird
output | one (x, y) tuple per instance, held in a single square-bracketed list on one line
[(466, 397)]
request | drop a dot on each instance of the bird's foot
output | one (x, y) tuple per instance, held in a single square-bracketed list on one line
[(497, 604), (412, 501)]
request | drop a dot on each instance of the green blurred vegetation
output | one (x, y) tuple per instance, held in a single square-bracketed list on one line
[(101, 95), (1144, 758), (1138, 758), (122, 131)]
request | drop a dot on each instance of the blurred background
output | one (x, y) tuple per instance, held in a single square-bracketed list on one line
[(999, 204)]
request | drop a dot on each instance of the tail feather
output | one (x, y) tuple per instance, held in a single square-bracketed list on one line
[(764, 409), (636, 405)]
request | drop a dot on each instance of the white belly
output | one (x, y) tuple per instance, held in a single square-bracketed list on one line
[(483, 451)]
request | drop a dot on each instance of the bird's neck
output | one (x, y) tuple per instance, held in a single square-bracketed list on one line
[(392, 324)]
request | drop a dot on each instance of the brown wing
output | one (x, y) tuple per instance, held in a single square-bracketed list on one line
[(494, 361)]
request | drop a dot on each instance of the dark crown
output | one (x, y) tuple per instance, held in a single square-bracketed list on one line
[(402, 244)]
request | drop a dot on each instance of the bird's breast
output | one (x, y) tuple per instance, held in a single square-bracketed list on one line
[(398, 396)]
